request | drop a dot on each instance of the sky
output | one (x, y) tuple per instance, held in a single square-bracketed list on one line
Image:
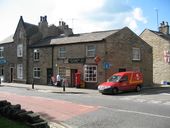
[(85, 15)]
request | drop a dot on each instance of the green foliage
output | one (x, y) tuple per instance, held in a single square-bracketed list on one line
[(7, 123)]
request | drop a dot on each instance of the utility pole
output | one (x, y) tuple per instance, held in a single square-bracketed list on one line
[(157, 18)]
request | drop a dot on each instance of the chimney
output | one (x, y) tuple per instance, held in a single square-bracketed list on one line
[(43, 26), (164, 28)]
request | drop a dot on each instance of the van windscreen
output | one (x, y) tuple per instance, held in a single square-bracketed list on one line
[(114, 78)]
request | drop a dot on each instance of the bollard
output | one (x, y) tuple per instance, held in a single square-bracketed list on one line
[(33, 85), (64, 85), (64, 88)]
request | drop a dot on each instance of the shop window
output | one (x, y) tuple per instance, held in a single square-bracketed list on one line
[(36, 72), (19, 71), (136, 55), (62, 52), (36, 54), (90, 73), (90, 50), (19, 50), (1, 52), (62, 71)]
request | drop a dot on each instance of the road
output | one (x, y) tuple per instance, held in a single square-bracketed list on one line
[(147, 109)]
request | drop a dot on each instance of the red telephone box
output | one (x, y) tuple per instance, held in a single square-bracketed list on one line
[(77, 79)]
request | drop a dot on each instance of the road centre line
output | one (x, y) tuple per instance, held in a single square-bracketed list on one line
[(136, 112)]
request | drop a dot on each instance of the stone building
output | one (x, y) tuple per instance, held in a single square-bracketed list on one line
[(160, 42), (41, 51)]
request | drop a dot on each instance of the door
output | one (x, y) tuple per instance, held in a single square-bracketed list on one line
[(124, 83), (49, 75), (11, 74), (73, 72)]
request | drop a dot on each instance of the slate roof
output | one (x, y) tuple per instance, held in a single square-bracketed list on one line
[(31, 29), (86, 37), (164, 36), (76, 38)]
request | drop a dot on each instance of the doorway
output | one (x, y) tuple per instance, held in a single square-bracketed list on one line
[(73, 71), (11, 74), (49, 75)]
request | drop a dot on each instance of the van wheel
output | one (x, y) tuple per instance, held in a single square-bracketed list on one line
[(138, 88), (115, 90)]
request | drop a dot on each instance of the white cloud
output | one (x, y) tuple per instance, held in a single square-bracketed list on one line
[(79, 14), (138, 15)]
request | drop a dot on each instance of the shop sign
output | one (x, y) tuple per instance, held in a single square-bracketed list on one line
[(76, 60), (3, 61), (97, 59), (167, 56)]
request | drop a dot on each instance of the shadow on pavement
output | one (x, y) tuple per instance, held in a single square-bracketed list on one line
[(148, 91), (70, 92)]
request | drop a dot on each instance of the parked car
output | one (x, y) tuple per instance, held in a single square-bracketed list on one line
[(122, 81)]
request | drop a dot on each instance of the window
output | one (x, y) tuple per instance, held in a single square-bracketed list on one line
[(1, 71), (36, 54), (19, 71), (90, 73), (62, 52), (62, 71), (20, 50), (90, 51), (136, 54), (124, 79), (36, 72), (1, 52)]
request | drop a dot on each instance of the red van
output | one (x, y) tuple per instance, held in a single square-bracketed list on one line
[(122, 81)]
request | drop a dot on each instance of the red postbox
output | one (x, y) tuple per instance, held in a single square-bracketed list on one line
[(77, 79)]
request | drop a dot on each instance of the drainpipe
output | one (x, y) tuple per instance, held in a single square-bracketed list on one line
[(105, 57), (52, 59)]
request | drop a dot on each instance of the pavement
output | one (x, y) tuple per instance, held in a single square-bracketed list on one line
[(50, 88)]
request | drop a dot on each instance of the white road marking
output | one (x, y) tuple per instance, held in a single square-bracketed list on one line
[(167, 103), (143, 113), (155, 101), (137, 112), (140, 100)]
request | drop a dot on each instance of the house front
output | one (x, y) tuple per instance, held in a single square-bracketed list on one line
[(43, 51), (160, 42)]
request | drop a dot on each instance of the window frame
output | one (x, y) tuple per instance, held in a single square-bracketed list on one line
[(20, 50), (136, 54), (90, 73), (62, 71), (20, 71), (1, 52), (62, 53), (92, 50), (36, 53), (36, 72)]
